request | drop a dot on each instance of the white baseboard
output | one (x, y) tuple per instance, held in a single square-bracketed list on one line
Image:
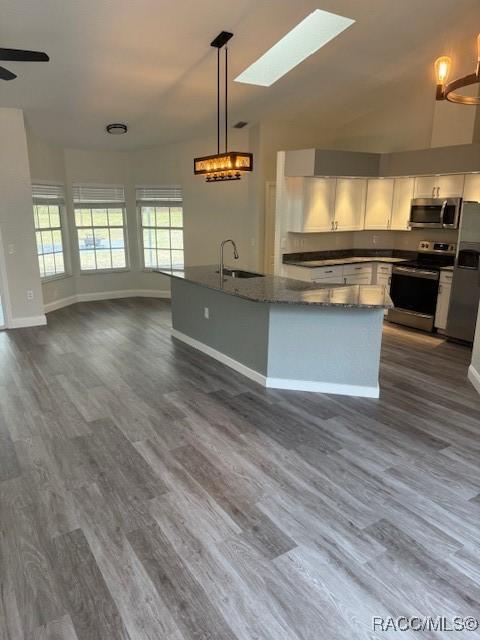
[(315, 386), (279, 383), (221, 357), (474, 377), (105, 295), (29, 321)]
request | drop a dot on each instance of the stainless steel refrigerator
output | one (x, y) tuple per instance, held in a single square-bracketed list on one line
[(465, 294)]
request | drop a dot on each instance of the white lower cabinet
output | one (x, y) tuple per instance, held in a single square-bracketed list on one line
[(297, 273), (443, 299), (358, 273), (383, 277), (357, 279), (384, 274), (333, 274)]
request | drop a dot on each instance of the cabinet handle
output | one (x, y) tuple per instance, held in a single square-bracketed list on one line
[(439, 288), (438, 192), (333, 225), (331, 271), (433, 192), (336, 225)]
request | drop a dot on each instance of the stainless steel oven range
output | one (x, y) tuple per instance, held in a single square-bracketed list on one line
[(414, 286)]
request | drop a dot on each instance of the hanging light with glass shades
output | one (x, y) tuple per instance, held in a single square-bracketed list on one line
[(229, 165), (449, 90)]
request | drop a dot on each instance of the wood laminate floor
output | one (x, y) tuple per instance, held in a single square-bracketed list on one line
[(148, 492)]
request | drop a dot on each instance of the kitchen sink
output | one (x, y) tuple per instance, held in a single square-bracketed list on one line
[(239, 273)]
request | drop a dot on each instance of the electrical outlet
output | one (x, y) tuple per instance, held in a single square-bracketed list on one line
[(375, 239), (11, 249), (29, 294), (206, 313)]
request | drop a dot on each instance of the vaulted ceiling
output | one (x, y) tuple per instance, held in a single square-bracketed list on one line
[(148, 63)]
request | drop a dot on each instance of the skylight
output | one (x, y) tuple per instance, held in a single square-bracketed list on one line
[(312, 33)]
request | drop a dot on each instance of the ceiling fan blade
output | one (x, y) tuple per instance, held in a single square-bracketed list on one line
[(19, 55), (5, 74)]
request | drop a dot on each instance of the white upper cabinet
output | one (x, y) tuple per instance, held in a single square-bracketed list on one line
[(350, 204), (319, 203), (425, 187), (402, 197), (471, 189), (379, 203), (293, 203), (449, 186)]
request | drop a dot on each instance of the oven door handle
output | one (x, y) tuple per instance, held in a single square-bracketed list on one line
[(416, 273)]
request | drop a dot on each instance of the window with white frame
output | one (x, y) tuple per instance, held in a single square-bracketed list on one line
[(101, 227), (48, 207), (161, 219)]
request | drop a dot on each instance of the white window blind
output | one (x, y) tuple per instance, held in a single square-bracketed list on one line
[(48, 204), (98, 195), (171, 193), (48, 193), (161, 219), (101, 227)]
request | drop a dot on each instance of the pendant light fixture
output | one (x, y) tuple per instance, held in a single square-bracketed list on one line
[(448, 91), (229, 165)]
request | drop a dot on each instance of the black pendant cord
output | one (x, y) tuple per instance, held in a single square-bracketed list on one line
[(218, 101), (226, 99)]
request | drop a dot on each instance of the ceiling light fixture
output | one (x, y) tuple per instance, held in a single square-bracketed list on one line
[(229, 165), (116, 129), (448, 91), (307, 37)]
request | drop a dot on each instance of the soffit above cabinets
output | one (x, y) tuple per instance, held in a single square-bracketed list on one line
[(438, 160)]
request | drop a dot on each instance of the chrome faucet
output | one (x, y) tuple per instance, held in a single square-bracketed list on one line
[(235, 255)]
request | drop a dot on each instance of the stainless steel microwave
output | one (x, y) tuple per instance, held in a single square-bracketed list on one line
[(435, 213)]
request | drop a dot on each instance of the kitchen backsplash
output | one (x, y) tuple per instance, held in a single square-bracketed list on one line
[(407, 240)]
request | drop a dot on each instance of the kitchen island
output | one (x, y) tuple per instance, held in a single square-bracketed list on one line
[(283, 333)]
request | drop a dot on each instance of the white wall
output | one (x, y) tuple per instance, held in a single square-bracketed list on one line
[(212, 212), (16, 224)]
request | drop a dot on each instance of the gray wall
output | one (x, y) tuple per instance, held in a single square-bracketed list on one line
[(238, 328)]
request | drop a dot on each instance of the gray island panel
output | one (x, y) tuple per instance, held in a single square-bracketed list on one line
[(236, 327), (338, 348)]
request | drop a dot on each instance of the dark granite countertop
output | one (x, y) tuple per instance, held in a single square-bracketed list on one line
[(273, 289), (448, 268), (315, 259)]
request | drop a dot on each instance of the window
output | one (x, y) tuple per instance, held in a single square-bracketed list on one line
[(161, 219), (100, 222), (48, 205)]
